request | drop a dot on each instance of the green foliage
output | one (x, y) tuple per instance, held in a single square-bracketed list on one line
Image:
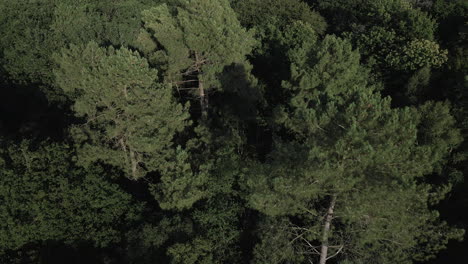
[(130, 119), (417, 85), (271, 60), (32, 30), (276, 242), (105, 22), (261, 14), (337, 136), (217, 237), (45, 197), (195, 252), (396, 223), (194, 36), (24, 42), (408, 21), (396, 38), (278, 25), (416, 55), (389, 49), (147, 244), (181, 186)]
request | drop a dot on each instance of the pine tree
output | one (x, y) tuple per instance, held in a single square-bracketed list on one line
[(194, 41), (200, 47), (129, 120), (277, 24), (336, 138)]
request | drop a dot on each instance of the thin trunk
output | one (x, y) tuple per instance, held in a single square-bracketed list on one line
[(326, 231), (203, 100), (201, 89), (125, 92), (134, 163)]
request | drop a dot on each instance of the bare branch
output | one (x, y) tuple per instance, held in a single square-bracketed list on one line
[(337, 252), (187, 81)]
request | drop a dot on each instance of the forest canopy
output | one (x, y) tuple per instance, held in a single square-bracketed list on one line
[(233, 131)]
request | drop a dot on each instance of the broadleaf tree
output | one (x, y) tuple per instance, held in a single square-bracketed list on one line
[(46, 197)]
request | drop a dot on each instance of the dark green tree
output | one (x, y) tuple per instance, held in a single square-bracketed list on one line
[(32, 31), (24, 42), (45, 197), (451, 82), (275, 13), (277, 25), (395, 37)]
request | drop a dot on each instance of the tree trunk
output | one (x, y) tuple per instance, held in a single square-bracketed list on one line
[(326, 231), (134, 162), (203, 100), (201, 89)]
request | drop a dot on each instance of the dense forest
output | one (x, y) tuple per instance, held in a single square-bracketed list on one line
[(233, 131)]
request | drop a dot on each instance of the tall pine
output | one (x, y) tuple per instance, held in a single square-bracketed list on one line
[(127, 119), (337, 142), (193, 41)]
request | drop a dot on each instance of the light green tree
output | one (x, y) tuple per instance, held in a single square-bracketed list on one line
[(105, 22), (129, 119), (417, 54)]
